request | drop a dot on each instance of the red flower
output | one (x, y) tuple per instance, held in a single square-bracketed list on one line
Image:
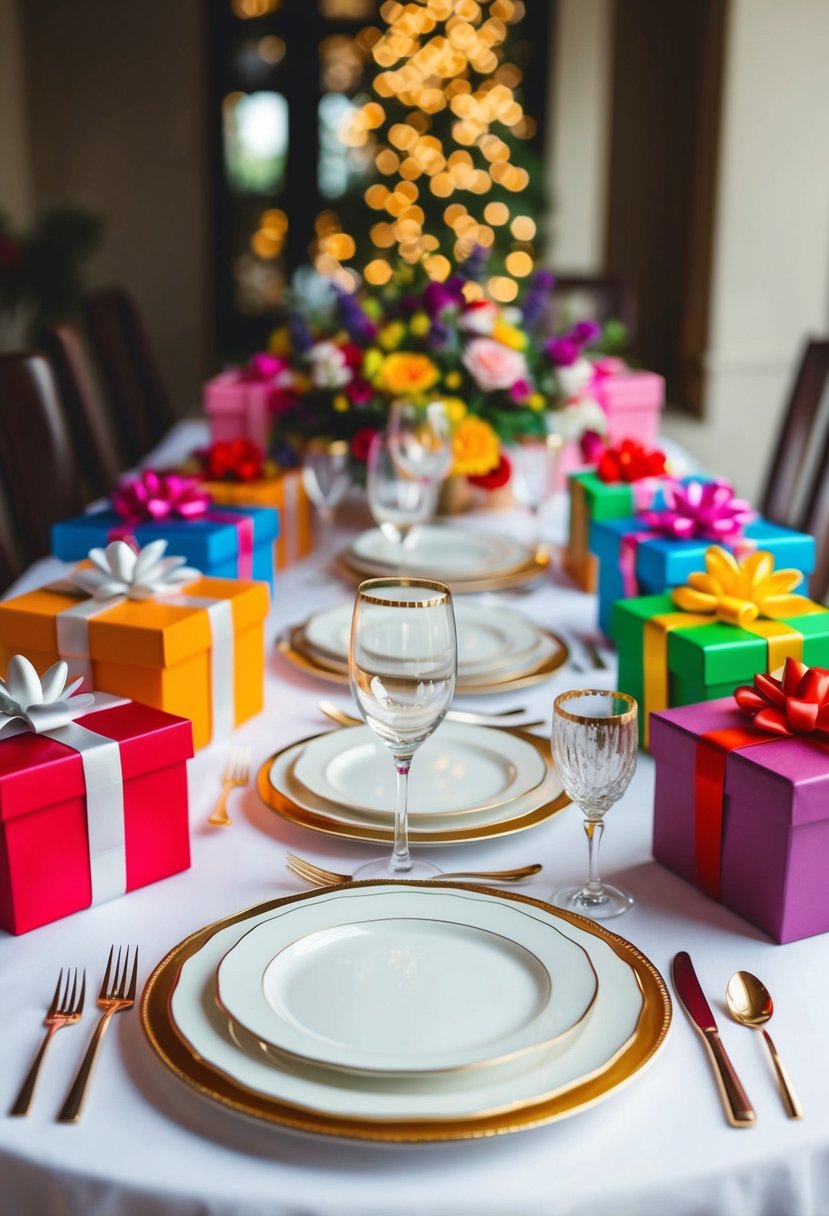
[(359, 391), (361, 441), (629, 462), (495, 478), (233, 460), (353, 355)]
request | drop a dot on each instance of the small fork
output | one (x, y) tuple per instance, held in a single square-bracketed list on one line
[(65, 1010), (113, 998), (237, 772), (318, 876)]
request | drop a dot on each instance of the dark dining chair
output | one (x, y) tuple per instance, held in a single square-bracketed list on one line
[(814, 515), (602, 298), (37, 460), (140, 404), (796, 434), (9, 566), (98, 457)]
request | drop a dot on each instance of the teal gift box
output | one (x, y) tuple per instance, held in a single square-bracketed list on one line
[(225, 542), (656, 563)]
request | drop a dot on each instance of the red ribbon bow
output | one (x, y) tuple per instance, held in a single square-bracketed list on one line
[(153, 497), (797, 704), (236, 460)]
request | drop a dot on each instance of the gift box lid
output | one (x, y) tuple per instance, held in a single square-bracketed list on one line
[(145, 633), (232, 390), (786, 778), (661, 562), (631, 389), (614, 500), (204, 542), (715, 653), (267, 491), (36, 771)]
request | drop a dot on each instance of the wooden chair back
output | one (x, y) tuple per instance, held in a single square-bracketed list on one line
[(98, 457), (796, 434), (9, 566), (814, 516), (136, 391), (37, 460)]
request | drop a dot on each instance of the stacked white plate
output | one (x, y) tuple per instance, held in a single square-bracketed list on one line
[(469, 559), (497, 646), (467, 782), (406, 1011)]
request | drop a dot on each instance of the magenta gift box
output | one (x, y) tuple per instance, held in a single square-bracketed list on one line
[(633, 402), (774, 852), (238, 408)]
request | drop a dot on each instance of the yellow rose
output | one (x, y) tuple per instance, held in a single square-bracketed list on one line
[(420, 324), (391, 335), (452, 380), (509, 335), (475, 446), (407, 373)]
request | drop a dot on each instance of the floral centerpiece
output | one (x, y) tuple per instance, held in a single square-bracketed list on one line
[(335, 372)]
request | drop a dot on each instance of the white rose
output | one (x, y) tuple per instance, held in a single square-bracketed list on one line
[(328, 366), (478, 318), (577, 416), (573, 379)]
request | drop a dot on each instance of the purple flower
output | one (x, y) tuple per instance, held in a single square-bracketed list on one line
[(301, 339), (585, 333), (537, 298), (437, 299), (475, 265), (360, 328), (563, 352), (439, 336)]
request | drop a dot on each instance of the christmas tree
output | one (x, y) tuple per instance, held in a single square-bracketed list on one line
[(440, 141)]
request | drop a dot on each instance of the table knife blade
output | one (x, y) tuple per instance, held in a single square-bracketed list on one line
[(738, 1108)]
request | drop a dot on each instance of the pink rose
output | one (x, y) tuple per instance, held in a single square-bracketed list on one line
[(492, 365)]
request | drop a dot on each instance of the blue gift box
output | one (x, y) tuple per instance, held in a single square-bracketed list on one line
[(211, 544), (661, 563)]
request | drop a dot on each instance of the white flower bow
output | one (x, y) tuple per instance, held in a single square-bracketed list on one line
[(38, 705), (120, 570)]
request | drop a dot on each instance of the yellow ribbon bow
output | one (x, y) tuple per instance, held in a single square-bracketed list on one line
[(740, 591)]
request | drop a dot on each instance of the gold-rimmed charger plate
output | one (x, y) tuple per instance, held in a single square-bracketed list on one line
[(317, 821), (295, 650), (650, 1034), (522, 575)]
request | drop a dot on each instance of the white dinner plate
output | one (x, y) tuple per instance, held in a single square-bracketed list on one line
[(381, 984), (440, 550), (611, 1024), (489, 638), (460, 768)]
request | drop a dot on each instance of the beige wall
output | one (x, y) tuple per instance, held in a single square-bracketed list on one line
[(116, 107), (15, 166)]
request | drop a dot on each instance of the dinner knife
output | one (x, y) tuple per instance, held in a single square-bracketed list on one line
[(738, 1108)]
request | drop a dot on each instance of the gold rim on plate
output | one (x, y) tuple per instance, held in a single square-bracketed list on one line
[(518, 576), (293, 648), (285, 806), (647, 1039)]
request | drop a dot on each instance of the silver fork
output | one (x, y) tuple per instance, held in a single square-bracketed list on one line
[(237, 772), (113, 998), (65, 1010)]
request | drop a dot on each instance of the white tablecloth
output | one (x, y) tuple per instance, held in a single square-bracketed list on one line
[(147, 1145)]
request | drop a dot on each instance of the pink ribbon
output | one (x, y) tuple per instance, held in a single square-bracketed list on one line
[(153, 497)]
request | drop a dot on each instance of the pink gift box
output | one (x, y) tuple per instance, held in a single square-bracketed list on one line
[(633, 402), (238, 408), (774, 841), (45, 865)]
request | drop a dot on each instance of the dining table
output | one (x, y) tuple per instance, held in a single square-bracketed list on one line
[(149, 1145)]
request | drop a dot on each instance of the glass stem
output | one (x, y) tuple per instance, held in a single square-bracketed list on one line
[(401, 862), (594, 829), (326, 517)]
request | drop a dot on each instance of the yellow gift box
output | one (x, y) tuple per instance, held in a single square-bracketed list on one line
[(287, 494), (199, 654)]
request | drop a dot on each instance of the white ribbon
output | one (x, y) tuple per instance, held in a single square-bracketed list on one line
[(119, 576), (46, 707)]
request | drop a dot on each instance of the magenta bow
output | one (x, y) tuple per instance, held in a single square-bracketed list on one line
[(152, 497), (700, 510), (264, 367)]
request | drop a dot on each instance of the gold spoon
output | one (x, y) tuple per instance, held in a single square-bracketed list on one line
[(749, 1002)]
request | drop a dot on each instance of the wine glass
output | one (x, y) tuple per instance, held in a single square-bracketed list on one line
[(421, 438), (402, 664), (535, 463), (398, 499), (326, 476), (595, 739)]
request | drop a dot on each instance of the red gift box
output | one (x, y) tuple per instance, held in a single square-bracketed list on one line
[(45, 861)]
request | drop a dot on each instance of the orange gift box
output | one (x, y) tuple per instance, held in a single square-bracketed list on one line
[(287, 494), (155, 651)]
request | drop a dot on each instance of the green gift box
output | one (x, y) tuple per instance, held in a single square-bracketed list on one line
[(663, 663)]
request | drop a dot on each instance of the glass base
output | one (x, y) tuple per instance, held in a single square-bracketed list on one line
[(381, 868), (612, 901)]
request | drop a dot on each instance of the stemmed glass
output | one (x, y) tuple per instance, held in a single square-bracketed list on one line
[(595, 739), (326, 476), (421, 438), (398, 499), (402, 663), (535, 463)]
